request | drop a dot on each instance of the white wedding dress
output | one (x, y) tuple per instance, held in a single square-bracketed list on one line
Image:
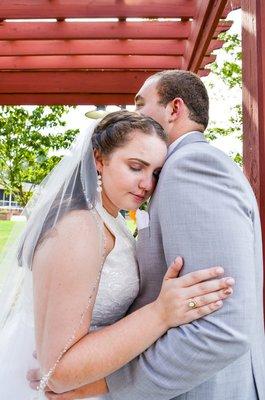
[(118, 287), (119, 282)]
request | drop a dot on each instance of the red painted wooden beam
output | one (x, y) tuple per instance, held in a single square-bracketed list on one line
[(96, 47), (99, 47), (73, 82), (253, 43), (67, 98), (71, 98), (230, 6), (95, 62), (223, 26), (94, 30), (96, 8), (89, 62), (202, 31)]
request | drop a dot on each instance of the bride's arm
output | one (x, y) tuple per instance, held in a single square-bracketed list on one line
[(94, 389), (61, 291)]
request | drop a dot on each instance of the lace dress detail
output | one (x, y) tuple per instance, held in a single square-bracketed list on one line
[(119, 282)]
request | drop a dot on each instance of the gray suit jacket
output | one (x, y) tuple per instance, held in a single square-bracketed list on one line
[(204, 210)]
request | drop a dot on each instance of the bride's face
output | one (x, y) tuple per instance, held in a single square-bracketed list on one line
[(130, 173)]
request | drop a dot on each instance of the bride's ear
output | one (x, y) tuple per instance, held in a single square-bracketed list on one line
[(98, 160)]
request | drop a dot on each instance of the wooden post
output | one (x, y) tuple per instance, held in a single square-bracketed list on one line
[(253, 49)]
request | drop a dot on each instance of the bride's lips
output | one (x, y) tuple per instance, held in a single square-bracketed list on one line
[(138, 198)]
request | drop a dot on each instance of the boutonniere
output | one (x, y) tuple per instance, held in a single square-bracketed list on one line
[(142, 219)]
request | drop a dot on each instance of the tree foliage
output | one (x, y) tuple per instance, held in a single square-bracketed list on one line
[(230, 72), (29, 140)]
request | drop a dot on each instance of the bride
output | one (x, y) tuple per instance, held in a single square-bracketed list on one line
[(76, 275)]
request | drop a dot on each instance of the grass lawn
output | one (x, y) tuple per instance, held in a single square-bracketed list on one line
[(5, 228)]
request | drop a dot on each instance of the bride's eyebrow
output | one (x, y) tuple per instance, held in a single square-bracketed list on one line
[(139, 160)]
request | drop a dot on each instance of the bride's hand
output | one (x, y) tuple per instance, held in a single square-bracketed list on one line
[(192, 296)]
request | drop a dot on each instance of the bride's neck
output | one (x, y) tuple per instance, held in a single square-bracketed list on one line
[(108, 205)]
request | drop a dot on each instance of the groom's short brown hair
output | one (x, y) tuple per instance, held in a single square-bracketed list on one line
[(189, 87)]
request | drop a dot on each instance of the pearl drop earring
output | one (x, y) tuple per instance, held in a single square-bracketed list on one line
[(99, 183)]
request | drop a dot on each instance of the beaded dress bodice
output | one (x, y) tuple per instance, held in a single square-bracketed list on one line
[(119, 281)]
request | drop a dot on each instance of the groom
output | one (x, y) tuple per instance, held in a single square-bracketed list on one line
[(204, 210)]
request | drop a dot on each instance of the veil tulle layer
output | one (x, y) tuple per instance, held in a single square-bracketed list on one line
[(72, 185)]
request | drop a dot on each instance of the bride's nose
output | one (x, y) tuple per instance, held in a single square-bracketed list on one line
[(146, 183)]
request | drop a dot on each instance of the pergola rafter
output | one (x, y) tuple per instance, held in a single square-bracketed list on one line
[(31, 9), (46, 48), (202, 31)]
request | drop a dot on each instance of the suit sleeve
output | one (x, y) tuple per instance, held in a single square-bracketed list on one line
[(204, 217)]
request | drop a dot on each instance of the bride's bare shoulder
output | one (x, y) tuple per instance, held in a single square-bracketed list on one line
[(79, 222)]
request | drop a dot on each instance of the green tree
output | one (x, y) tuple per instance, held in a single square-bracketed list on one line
[(229, 70), (29, 141)]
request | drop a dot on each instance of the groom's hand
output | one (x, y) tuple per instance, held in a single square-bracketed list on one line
[(62, 396), (34, 377)]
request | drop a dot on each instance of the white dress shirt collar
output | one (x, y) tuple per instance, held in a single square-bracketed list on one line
[(176, 142)]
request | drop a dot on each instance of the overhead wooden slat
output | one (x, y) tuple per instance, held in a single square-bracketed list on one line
[(223, 26), (95, 62), (203, 28), (93, 47), (94, 30), (230, 6), (96, 8), (97, 47), (88, 62)]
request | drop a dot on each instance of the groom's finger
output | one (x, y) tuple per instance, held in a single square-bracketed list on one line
[(54, 396), (33, 375), (34, 385), (174, 268)]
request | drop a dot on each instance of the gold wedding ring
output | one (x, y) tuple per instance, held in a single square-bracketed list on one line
[(192, 303)]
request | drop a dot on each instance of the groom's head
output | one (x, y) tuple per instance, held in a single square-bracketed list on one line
[(177, 99)]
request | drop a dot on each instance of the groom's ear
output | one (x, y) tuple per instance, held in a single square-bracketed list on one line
[(98, 160), (175, 108)]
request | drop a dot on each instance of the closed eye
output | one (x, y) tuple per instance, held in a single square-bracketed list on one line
[(157, 173), (135, 169)]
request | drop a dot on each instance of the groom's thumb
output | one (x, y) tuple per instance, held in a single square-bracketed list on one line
[(174, 268)]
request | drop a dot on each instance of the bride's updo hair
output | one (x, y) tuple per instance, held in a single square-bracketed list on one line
[(116, 129)]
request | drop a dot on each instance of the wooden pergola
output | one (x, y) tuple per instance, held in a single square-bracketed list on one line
[(61, 52)]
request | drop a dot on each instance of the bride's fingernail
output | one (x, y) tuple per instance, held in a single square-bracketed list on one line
[(219, 270), (219, 303), (230, 281), (178, 259)]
